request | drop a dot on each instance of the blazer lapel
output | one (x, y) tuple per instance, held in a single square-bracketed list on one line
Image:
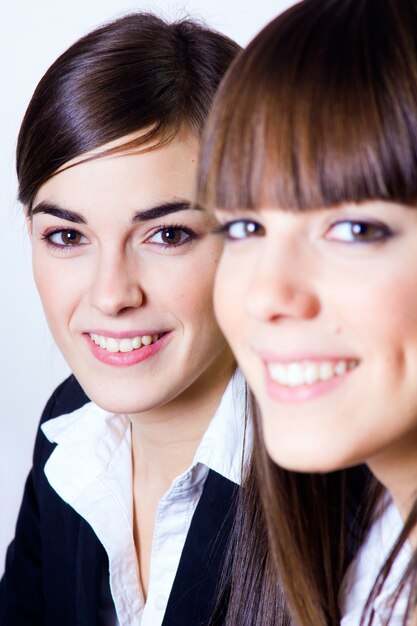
[(194, 590), (92, 579)]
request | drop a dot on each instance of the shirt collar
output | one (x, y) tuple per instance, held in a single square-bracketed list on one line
[(363, 571), (228, 439), (87, 441), (91, 469)]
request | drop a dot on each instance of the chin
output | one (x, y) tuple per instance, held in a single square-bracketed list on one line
[(310, 460), (117, 401)]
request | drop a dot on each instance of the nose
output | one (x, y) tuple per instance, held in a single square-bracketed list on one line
[(115, 287), (281, 288)]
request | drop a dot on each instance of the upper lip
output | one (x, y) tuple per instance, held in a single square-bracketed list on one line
[(298, 357), (125, 334)]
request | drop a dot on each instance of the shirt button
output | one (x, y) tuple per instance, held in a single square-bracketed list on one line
[(160, 602)]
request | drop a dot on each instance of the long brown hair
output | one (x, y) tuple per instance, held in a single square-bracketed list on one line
[(138, 72), (320, 109), (293, 536)]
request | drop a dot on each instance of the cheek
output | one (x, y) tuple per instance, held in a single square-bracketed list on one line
[(388, 318), (57, 291), (45, 282), (189, 290), (396, 330), (229, 299)]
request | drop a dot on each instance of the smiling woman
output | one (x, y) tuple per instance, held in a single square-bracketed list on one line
[(129, 503), (309, 162), (133, 268)]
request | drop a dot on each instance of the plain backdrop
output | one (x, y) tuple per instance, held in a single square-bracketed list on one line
[(32, 35)]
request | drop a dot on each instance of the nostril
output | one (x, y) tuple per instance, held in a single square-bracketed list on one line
[(269, 300), (116, 298)]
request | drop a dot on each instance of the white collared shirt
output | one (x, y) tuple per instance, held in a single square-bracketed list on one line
[(91, 470), (364, 569)]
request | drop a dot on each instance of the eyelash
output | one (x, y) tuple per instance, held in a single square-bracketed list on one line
[(47, 238), (225, 229), (191, 235), (381, 231)]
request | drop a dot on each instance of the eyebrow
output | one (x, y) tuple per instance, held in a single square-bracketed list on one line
[(155, 212), (163, 209), (52, 209)]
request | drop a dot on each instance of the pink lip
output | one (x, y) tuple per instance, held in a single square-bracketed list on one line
[(290, 357), (284, 394), (126, 359), (123, 335), (304, 393)]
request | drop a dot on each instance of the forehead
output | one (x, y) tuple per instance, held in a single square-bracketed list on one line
[(125, 178)]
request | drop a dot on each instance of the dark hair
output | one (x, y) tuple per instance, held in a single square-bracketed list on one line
[(138, 72), (293, 537), (320, 109)]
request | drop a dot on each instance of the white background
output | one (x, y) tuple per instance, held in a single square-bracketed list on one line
[(32, 35)]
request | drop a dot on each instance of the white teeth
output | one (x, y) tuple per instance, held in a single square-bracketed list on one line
[(301, 373), (295, 375), (126, 345), (277, 372), (112, 345), (341, 368), (311, 374), (123, 345), (326, 371)]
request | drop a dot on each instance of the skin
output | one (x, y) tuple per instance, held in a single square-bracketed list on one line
[(309, 288), (121, 276)]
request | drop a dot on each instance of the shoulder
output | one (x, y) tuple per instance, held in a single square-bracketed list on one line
[(67, 397)]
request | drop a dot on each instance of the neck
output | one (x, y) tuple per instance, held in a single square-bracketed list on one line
[(396, 469), (165, 439)]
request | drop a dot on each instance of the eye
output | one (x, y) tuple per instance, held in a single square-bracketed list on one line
[(172, 236), (241, 229), (65, 238), (357, 232)]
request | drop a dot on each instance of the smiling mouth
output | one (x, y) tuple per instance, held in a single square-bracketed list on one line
[(126, 344), (302, 373)]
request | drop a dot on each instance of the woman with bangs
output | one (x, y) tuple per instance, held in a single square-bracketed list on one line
[(310, 164), (139, 454)]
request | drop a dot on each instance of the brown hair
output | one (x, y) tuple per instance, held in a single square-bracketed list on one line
[(138, 72), (294, 535), (320, 109)]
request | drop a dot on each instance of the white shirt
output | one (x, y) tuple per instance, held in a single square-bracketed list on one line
[(364, 569), (91, 470)]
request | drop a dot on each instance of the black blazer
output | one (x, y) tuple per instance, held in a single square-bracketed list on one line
[(55, 564)]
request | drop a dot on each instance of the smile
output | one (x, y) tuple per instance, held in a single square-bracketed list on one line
[(126, 351), (302, 373), (127, 344)]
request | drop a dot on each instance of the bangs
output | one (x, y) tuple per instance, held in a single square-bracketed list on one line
[(319, 110)]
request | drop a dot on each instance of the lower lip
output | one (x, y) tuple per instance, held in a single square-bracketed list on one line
[(127, 359), (304, 393)]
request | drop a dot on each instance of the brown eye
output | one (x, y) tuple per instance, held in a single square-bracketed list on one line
[(65, 238), (172, 236), (366, 232), (70, 237), (357, 232), (242, 229)]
